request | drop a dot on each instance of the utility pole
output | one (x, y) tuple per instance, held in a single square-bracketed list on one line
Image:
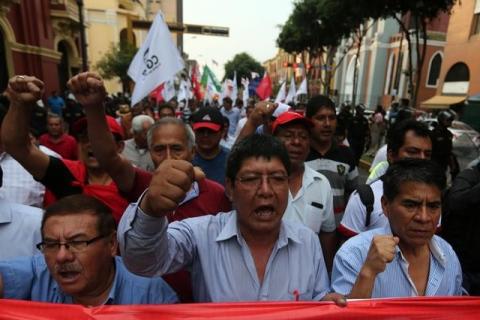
[(83, 42)]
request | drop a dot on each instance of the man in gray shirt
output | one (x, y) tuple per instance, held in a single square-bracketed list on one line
[(247, 254)]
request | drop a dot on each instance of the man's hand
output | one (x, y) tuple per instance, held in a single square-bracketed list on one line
[(339, 299), (24, 90), (381, 252), (88, 89), (170, 183), (262, 112)]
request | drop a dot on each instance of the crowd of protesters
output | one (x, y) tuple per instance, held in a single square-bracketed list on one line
[(107, 203)]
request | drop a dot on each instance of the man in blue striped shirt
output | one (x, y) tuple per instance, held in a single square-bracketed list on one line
[(405, 258)]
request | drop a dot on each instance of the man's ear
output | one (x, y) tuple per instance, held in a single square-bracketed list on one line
[(192, 153), (385, 203), (229, 189)]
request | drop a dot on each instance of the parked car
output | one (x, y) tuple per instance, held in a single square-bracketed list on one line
[(466, 140)]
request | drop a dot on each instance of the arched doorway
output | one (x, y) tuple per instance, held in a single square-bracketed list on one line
[(3, 63), (457, 80), (64, 65)]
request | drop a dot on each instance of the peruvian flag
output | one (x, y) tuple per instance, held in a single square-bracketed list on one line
[(264, 89), (196, 86)]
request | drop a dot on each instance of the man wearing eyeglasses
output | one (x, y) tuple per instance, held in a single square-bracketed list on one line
[(310, 199), (78, 265), (248, 254)]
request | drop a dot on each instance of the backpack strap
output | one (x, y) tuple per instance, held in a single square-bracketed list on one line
[(365, 193)]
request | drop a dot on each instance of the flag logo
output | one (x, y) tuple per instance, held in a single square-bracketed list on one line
[(151, 63)]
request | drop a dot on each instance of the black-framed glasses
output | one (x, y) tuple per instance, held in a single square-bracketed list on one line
[(254, 180), (73, 245)]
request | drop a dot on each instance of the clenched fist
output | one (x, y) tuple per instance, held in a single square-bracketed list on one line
[(381, 252), (24, 90), (88, 89), (170, 183)]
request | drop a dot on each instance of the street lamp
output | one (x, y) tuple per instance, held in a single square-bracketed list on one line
[(83, 42)]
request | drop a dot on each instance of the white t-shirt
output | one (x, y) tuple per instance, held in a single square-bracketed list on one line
[(313, 203)]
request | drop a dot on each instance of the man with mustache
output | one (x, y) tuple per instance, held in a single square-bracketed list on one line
[(404, 258), (247, 254), (78, 265)]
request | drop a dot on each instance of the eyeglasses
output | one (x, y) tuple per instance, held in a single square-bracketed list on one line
[(74, 246), (254, 180)]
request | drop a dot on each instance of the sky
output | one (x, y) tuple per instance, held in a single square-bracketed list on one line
[(253, 29)]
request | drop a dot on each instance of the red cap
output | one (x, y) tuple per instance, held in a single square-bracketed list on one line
[(81, 124), (290, 116), (209, 125)]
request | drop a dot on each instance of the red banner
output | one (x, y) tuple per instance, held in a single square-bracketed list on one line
[(464, 308)]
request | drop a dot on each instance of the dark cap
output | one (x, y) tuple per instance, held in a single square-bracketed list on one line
[(207, 117)]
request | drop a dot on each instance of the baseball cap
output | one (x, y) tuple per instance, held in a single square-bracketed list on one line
[(81, 124), (207, 117), (288, 117)]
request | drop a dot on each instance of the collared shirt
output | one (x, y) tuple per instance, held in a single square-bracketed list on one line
[(353, 221), (18, 184), (138, 156), (444, 278), (338, 165), (220, 261), (28, 278), (313, 203), (19, 230)]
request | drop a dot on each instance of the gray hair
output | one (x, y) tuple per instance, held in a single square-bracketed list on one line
[(175, 121), (137, 122)]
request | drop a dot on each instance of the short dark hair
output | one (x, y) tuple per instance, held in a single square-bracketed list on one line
[(396, 135), (412, 170), (80, 203), (258, 146), (166, 106), (316, 103)]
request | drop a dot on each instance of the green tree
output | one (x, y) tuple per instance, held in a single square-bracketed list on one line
[(115, 63), (243, 64)]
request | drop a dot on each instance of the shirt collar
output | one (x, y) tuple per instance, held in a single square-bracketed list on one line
[(230, 230), (191, 194), (5, 212)]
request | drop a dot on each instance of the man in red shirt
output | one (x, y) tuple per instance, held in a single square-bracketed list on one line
[(169, 138), (61, 176), (57, 140)]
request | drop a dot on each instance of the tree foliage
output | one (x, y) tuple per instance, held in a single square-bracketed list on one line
[(116, 61), (243, 64)]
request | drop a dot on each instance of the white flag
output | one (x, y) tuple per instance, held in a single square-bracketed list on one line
[(234, 95), (291, 92), (282, 93), (183, 91), (246, 95), (168, 91), (156, 61), (302, 89)]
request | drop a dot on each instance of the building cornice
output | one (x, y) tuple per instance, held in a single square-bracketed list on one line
[(45, 52)]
